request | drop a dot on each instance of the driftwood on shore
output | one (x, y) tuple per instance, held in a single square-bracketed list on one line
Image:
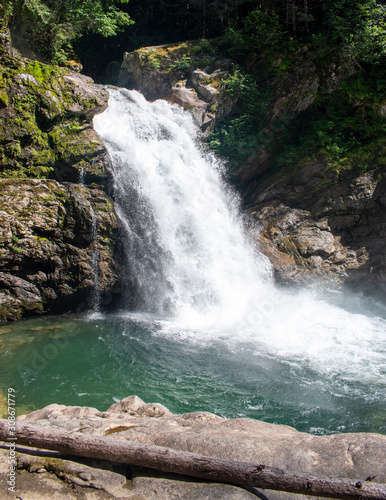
[(193, 464)]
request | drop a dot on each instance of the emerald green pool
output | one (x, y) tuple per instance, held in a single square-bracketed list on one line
[(94, 361)]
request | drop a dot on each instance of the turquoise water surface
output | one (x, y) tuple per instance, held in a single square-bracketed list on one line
[(96, 361)]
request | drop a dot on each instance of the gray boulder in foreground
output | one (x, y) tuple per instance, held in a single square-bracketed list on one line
[(48, 475)]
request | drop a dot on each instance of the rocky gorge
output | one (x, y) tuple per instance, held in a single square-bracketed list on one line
[(316, 225), (59, 249), (59, 229)]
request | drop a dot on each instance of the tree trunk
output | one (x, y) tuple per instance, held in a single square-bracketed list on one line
[(306, 13), (192, 464), (294, 17), (287, 14), (204, 20)]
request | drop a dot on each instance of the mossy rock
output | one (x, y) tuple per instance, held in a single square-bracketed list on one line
[(154, 70), (45, 120)]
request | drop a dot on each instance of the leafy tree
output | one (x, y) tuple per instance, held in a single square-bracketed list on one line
[(53, 25), (262, 30), (359, 26)]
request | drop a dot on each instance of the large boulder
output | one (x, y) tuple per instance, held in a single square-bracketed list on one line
[(46, 119)]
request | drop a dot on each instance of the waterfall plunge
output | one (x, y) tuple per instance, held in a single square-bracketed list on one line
[(191, 258), (188, 260)]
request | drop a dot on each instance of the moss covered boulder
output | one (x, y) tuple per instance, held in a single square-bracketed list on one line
[(46, 119), (58, 227)]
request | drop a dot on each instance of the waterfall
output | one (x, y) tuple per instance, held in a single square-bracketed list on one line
[(202, 327), (187, 254), (190, 267), (96, 294)]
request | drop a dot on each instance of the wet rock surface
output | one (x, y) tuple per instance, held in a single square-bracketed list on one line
[(46, 121), (58, 228), (57, 246), (340, 455), (315, 225)]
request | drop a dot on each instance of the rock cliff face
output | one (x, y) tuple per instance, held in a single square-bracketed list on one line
[(314, 224), (357, 456), (56, 246), (323, 229), (46, 121), (59, 230)]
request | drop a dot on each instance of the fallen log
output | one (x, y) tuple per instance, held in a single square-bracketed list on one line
[(192, 464)]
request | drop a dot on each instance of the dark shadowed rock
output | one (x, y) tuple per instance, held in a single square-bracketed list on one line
[(334, 230)]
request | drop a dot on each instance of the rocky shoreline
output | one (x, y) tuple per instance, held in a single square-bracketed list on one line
[(41, 474)]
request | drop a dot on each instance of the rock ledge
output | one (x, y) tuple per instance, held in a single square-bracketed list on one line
[(346, 455)]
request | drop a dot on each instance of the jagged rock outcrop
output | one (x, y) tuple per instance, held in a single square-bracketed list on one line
[(181, 74), (323, 228), (46, 120), (296, 89), (358, 456)]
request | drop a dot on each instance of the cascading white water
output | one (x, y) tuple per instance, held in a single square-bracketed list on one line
[(201, 268), (188, 259)]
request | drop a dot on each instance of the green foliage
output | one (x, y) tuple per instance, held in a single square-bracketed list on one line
[(356, 26), (238, 83), (254, 97), (343, 128), (205, 46), (39, 137), (53, 25), (359, 26), (262, 29), (183, 64), (369, 87), (235, 140), (370, 43), (236, 137)]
